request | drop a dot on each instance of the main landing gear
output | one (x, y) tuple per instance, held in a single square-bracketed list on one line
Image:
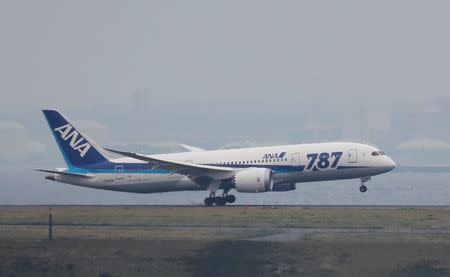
[(362, 187), (219, 200)]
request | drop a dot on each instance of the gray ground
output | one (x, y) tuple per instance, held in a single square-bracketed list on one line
[(225, 241)]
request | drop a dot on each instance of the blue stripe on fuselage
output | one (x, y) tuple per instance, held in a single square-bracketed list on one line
[(351, 167), (110, 167), (143, 168), (275, 168)]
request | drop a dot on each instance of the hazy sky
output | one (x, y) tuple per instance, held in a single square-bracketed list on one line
[(146, 75)]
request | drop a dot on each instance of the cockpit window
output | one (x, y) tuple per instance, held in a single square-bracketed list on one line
[(375, 153)]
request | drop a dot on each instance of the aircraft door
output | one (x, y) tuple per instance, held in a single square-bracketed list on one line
[(352, 156), (295, 159), (119, 172)]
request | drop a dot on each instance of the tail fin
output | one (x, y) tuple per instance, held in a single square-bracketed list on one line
[(78, 150)]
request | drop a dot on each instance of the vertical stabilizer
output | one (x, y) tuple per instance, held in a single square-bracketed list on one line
[(78, 149)]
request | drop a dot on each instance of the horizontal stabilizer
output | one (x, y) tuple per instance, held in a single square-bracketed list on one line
[(66, 173)]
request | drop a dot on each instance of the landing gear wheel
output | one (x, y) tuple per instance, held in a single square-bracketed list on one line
[(220, 201), (362, 186), (209, 201), (230, 198)]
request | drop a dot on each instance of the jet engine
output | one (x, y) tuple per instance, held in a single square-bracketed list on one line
[(253, 180)]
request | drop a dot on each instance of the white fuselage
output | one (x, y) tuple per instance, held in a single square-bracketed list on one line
[(289, 164)]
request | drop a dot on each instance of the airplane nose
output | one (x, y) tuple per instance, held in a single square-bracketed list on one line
[(390, 163)]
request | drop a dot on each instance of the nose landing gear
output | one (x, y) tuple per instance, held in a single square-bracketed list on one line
[(362, 187)]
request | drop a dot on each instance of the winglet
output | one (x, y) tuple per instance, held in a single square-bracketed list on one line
[(192, 148)]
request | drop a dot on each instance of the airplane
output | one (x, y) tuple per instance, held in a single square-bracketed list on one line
[(246, 170)]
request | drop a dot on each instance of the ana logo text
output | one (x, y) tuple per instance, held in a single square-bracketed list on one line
[(80, 145), (274, 156)]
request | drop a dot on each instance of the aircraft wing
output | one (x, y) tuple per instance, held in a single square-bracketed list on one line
[(188, 169)]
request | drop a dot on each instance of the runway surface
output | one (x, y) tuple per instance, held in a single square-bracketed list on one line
[(381, 207), (276, 234), (255, 223)]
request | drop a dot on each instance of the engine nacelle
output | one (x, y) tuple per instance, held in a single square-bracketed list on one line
[(284, 187), (253, 180)]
